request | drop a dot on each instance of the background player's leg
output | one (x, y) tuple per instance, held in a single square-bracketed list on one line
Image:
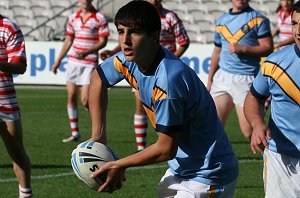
[(140, 123), (72, 108)]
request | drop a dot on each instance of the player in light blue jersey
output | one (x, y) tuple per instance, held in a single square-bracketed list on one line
[(279, 77), (190, 138), (242, 37)]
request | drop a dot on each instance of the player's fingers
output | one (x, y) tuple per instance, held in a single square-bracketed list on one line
[(269, 134), (97, 172), (104, 186), (259, 145), (265, 143), (255, 145)]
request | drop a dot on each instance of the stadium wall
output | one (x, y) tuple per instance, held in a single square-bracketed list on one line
[(41, 56)]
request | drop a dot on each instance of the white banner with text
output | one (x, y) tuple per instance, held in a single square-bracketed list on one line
[(41, 56)]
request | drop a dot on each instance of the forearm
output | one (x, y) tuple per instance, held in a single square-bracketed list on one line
[(181, 49), (256, 51), (163, 150), (253, 111), (98, 101), (287, 41), (64, 50), (94, 49), (214, 64), (13, 68)]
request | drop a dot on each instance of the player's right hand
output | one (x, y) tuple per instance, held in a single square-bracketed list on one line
[(55, 66), (259, 137), (115, 176), (106, 54)]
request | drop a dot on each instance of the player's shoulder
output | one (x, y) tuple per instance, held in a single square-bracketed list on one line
[(9, 24), (282, 58), (101, 16), (281, 54), (169, 14)]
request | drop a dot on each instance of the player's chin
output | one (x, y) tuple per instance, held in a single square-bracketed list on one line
[(130, 58)]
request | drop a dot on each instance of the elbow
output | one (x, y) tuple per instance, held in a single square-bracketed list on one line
[(23, 70), (169, 154)]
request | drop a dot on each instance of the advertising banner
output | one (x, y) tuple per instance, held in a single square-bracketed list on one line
[(42, 55)]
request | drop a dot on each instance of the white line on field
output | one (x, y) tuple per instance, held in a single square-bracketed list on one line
[(72, 173)]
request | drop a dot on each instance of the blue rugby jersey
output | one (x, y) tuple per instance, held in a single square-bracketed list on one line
[(280, 77), (177, 101), (244, 28)]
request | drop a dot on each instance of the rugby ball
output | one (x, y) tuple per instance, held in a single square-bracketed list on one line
[(87, 157)]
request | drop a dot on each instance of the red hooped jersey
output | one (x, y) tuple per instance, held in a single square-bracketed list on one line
[(86, 34), (12, 50), (172, 30), (284, 23)]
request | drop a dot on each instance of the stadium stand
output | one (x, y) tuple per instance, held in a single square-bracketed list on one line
[(45, 20)]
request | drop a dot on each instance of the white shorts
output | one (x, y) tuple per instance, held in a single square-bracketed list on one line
[(237, 86), (173, 186), (78, 74), (281, 175), (9, 117)]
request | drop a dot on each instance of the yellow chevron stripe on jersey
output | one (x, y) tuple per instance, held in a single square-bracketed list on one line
[(151, 115), (124, 70), (158, 94), (282, 79), (234, 38)]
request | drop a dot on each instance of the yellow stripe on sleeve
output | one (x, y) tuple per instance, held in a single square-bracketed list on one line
[(282, 79)]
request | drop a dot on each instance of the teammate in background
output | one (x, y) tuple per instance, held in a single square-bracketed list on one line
[(87, 31), (283, 24), (190, 135), (242, 36), (280, 140), (172, 33), (13, 61)]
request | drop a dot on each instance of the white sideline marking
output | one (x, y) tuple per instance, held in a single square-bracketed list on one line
[(129, 169)]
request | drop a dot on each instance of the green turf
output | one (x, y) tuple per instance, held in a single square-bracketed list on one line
[(45, 124)]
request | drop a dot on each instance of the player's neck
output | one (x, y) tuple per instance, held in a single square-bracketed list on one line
[(146, 63)]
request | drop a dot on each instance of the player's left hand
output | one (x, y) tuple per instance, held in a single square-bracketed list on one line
[(115, 176), (234, 48), (81, 55)]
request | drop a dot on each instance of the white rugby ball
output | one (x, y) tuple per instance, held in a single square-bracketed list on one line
[(87, 158)]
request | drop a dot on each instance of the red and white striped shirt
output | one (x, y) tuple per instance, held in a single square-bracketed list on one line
[(284, 22), (86, 34), (12, 50), (172, 30)]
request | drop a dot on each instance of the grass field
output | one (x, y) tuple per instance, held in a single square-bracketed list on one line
[(45, 124)]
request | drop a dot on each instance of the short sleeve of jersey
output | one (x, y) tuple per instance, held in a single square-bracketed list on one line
[(165, 111), (180, 32), (15, 44), (108, 73), (217, 41), (260, 86), (70, 29), (264, 29), (103, 25)]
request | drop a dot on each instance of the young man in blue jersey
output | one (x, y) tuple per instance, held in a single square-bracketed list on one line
[(279, 141), (242, 37), (190, 138)]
